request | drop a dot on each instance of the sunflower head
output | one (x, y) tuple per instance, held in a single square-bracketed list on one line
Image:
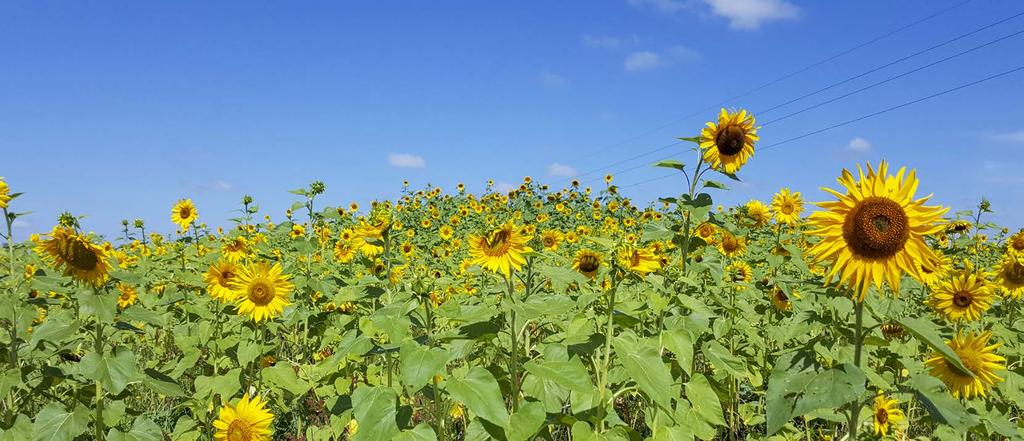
[(5, 193), (978, 355), (781, 300), (1010, 275), (757, 212), (787, 206), (128, 295), (247, 420), (587, 262), (887, 414), (219, 280), (874, 232), (638, 260), (729, 142), (184, 213), (730, 245), (502, 250), (261, 291), (1015, 243), (74, 253), (738, 272), (964, 296)]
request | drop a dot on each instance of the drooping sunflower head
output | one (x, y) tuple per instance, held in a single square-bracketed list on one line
[(261, 291), (980, 359), (219, 280), (887, 414), (730, 245), (787, 206), (75, 255), (1010, 275), (500, 251), (874, 232), (184, 213), (639, 260), (964, 296), (587, 262), (738, 272), (729, 143), (247, 420), (758, 212), (781, 300)]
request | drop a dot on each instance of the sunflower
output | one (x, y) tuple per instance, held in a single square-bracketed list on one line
[(963, 297), (408, 249), (875, 231), (730, 245), (297, 231), (729, 144), (551, 239), (446, 232), (5, 193), (706, 231), (368, 239), (75, 255), (248, 420), (219, 280), (787, 206), (184, 213), (978, 356), (887, 414), (958, 226), (501, 250), (587, 262), (1015, 243), (738, 272), (128, 295), (780, 300), (344, 251), (639, 260), (235, 249), (1010, 275), (261, 291), (933, 271), (757, 212)]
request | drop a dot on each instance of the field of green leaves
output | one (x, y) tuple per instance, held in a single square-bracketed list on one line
[(541, 313)]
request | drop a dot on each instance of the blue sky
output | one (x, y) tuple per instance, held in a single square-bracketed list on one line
[(116, 109)]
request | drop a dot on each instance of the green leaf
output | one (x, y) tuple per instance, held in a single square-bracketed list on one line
[(53, 423), (693, 139), (933, 396), (723, 360), (654, 231), (680, 343), (831, 388), (374, 408), (569, 374), (926, 332), (20, 431), (644, 365), (670, 163), (53, 331), (479, 391), (143, 429), (114, 372), (102, 306), (419, 364), (422, 432), (524, 423), (162, 384), (226, 385), (714, 184), (283, 376), (704, 401)]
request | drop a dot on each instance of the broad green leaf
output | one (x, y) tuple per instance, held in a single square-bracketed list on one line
[(644, 365), (525, 423), (103, 306), (53, 423), (936, 399), (143, 429), (162, 384), (422, 432), (479, 391), (226, 385), (419, 364), (114, 372), (704, 401), (723, 360), (680, 343), (283, 376), (670, 163), (569, 374), (374, 408)]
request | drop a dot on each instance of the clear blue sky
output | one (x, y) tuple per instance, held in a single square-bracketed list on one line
[(116, 109)]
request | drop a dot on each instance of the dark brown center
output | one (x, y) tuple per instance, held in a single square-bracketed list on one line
[(876, 228), (882, 416), (81, 256), (730, 140), (962, 299)]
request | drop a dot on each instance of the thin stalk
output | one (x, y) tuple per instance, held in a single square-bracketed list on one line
[(858, 310), (98, 416), (609, 332)]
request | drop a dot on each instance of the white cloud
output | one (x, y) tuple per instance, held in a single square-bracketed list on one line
[(749, 14), (549, 79), (20, 224), (504, 187), (406, 160), (1009, 137), (1001, 173), (609, 42), (859, 145), (647, 60), (223, 185), (643, 60), (561, 170), (662, 6)]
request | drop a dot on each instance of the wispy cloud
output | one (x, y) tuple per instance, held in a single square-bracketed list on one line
[(1002, 173), (1008, 137), (649, 60), (217, 185), (742, 14), (609, 42), (561, 170), (20, 224), (549, 79), (504, 187), (859, 145), (406, 160), (749, 14)]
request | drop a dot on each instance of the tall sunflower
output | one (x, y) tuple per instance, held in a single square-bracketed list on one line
[(729, 143), (184, 213), (875, 231), (738, 272), (978, 356), (248, 420), (587, 262), (757, 212), (220, 279), (963, 297), (1010, 275), (501, 250), (787, 206), (887, 414), (74, 254), (261, 291), (730, 245), (128, 295)]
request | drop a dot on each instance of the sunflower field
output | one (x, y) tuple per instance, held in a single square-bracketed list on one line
[(541, 313)]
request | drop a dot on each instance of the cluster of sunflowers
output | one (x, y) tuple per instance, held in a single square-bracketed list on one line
[(538, 313)]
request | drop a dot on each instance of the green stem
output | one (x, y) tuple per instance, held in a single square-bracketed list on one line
[(609, 333), (98, 417), (858, 339), (514, 350)]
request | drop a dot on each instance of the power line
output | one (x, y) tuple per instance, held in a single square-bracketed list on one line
[(784, 77), (862, 74), (863, 117)]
